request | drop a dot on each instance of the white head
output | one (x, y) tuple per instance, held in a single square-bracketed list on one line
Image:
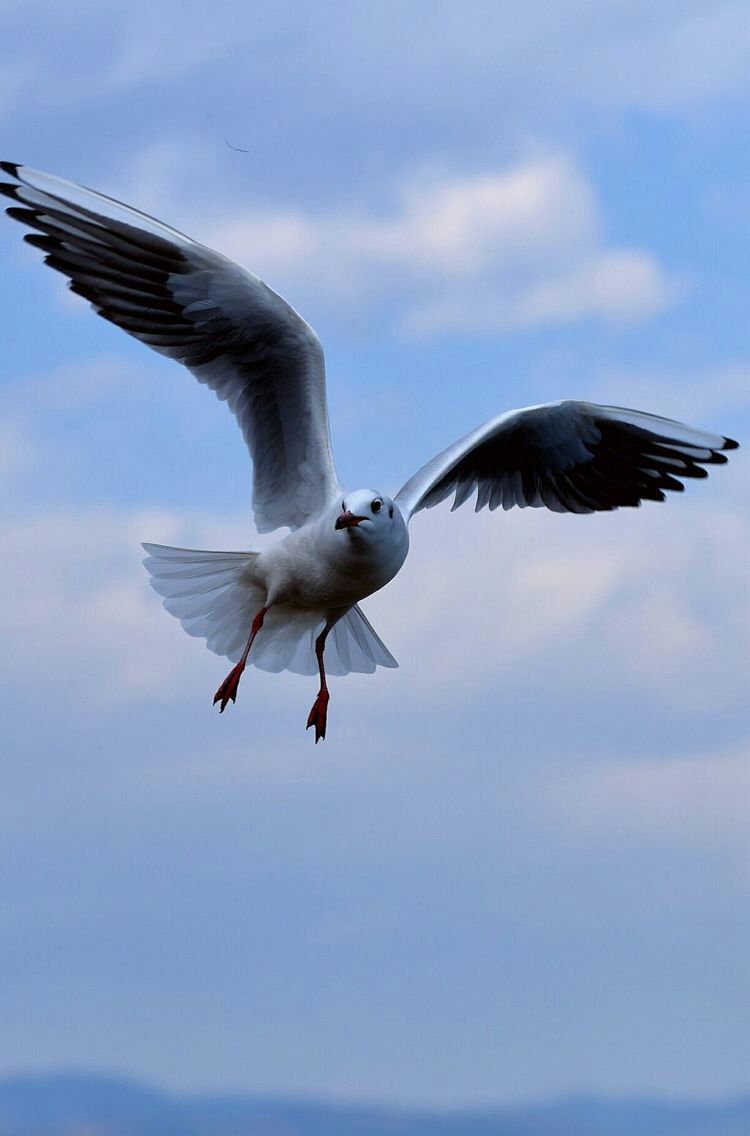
[(367, 517)]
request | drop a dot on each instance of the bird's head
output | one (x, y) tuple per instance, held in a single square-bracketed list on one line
[(367, 515)]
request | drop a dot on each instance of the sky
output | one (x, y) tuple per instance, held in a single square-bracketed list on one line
[(519, 865)]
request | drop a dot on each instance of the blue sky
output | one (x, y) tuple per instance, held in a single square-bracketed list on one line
[(519, 865)]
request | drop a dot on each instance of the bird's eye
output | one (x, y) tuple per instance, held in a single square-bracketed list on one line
[(377, 505)]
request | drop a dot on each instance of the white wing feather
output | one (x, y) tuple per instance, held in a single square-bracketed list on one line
[(196, 306)]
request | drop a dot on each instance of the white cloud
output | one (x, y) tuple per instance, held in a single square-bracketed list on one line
[(82, 605), (506, 249), (463, 226), (697, 802), (147, 50), (126, 45), (708, 394), (669, 56), (650, 603), (509, 63), (615, 285), (70, 385), (619, 286)]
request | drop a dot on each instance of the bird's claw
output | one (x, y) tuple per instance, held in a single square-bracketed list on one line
[(319, 715), (228, 690)]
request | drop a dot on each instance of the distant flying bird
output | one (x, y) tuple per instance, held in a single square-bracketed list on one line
[(295, 605)]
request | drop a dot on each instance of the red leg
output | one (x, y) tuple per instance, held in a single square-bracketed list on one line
[(228, 689), (319, 713)]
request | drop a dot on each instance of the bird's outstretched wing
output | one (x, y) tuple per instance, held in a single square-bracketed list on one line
[(572, 457), (196, 306)]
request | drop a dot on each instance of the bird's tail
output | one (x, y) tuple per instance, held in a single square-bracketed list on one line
[(215, 596)]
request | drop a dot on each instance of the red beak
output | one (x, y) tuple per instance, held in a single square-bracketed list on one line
[(347, 520)]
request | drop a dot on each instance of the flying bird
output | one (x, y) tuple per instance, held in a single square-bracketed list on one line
[(295, 604)]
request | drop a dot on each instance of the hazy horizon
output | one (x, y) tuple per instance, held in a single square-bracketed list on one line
[(92, 1079)]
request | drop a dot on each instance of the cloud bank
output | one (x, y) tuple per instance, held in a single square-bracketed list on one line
[(504, 250)]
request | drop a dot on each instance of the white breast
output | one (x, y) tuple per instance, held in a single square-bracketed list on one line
[(322, 569)]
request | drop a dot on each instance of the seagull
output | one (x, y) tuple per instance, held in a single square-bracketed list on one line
[(294, 605)]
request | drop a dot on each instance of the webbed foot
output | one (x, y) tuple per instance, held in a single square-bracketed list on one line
[(228, 690), (319, 715)]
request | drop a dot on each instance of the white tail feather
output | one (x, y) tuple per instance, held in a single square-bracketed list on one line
[(215, 596)]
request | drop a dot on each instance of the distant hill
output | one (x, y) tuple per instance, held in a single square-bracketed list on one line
[(66, 1105)]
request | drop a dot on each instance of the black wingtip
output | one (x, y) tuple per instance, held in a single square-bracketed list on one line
[(19, 213), (10, 189), (37, 240), (11, 168), (730, 444)]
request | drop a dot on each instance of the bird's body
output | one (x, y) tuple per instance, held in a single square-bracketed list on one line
[(325, 569), (295, 604)]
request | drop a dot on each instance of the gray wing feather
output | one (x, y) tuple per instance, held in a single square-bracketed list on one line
[(194, 305), (571, 457)]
